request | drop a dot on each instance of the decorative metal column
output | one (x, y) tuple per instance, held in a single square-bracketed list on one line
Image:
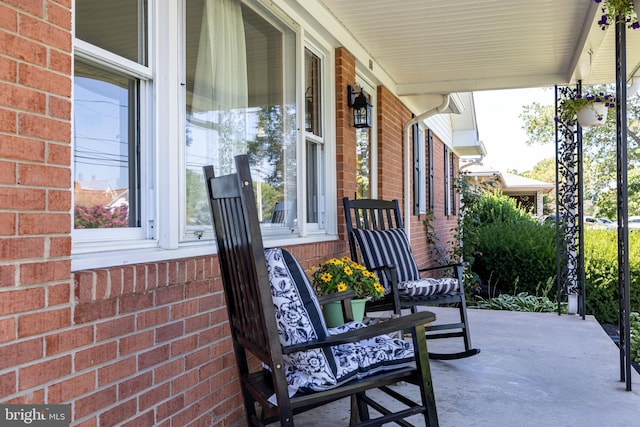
[(623, 213), (569, 207)]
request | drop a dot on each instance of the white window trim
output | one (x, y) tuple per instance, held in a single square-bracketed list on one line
[(166, 173), (94, 242)]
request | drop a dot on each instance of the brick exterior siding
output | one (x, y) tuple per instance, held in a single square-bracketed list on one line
[(145, 344)]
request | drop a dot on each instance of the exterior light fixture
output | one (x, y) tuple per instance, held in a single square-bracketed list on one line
[(360, 105)]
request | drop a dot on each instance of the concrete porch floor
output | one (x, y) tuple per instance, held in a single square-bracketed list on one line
[(534, 369)]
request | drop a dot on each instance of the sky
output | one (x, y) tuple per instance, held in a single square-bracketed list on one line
[(500, 128)]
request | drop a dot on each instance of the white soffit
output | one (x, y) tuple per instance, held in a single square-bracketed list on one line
[(444, 46)]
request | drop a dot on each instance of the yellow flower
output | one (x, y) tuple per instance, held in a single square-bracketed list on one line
[(339, 275)]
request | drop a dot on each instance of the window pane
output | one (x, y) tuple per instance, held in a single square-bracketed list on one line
[(114, 25), (312, 117), (363, 163), (106, 166), (240, 99)]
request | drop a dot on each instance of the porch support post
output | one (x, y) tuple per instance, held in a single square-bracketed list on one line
[(623, 214), (569, 246)]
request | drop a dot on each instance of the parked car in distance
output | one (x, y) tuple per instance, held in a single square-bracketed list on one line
[(591, 222), (634, 223)]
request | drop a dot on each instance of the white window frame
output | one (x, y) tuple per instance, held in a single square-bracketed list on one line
[(88, 241), (321, 142), (162, 236)]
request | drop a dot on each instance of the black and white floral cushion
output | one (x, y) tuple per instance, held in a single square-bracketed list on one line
[(299, 319), (391, 247)]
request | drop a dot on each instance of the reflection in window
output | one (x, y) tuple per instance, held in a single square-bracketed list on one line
[(106, 183), (240, 99), (106, 107), (312, 117), (114, 25), (363, 163)]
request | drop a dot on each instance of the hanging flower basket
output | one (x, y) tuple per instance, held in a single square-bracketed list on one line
[(593, 114), (588, 109), (626, 10)]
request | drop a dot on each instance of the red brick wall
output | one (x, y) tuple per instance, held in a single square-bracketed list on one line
[(345, 132), (442, 224), (392, 114), (138, 345), (35, 197)]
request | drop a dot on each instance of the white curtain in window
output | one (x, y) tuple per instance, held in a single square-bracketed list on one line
[(220, 96)]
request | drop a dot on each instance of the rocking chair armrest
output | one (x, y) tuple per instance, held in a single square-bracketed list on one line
[(388, 326), (442, 267), (336, 296), (390, 271)]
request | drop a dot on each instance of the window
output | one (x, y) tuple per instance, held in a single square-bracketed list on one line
[(240, 85), (431, 174), (110, 93), (154, 102), (454, 182), (419, 170), (447, 181), (366, 159), (315, 150)]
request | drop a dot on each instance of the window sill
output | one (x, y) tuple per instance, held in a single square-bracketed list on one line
[(120, 257)]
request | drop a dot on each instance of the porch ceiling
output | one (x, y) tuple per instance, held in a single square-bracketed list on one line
[(444, 46)]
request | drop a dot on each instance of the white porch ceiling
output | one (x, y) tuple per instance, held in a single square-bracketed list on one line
[(445, 46)]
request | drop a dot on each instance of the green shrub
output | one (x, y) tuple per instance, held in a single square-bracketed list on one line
[(634, 318), (511, 247), (521, 302), (512, 253), (601, 273), (634, 330)]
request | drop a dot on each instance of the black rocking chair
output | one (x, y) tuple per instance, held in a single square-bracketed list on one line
[(377, 239), (262, 287)]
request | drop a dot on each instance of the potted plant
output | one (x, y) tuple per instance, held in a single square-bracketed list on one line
[(588, 109), (625, 9), (339, 275)]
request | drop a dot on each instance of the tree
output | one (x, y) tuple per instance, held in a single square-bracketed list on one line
[(599, 148)]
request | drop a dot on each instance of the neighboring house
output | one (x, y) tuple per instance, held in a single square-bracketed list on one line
[(128, 324), (529, 193)]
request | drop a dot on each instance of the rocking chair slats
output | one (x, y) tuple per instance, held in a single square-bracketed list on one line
[(257, 285)]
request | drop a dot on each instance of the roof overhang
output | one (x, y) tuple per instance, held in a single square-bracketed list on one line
[(418, 48)]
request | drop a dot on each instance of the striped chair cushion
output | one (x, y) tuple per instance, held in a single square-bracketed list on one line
[(428, 287), (387, 247), (391, 247)]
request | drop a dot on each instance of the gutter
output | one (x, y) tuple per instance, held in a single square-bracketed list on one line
[(407, 157)]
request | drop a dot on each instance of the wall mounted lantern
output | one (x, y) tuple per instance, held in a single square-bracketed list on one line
[(360, 105)]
